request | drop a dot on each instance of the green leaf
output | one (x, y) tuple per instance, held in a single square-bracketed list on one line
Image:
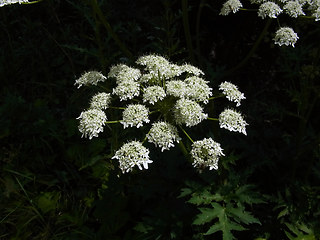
[(301, 231), (185, 192), (204, 197), (246, 194), (242, 216), (226, 226), (206, 215), (48, 201)]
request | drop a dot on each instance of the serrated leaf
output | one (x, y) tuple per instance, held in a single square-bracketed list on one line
[(206, 215), (242, 216), (185, 192), (204, 197), (246, 194), (226, 226), (284, 212), (301, 231)]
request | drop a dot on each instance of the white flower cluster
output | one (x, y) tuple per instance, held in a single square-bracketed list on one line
[(153, 94), (100, 101), (8, 2), (285, 36), (272, 9), (132, 154), (90, 78), (127, 90), (269, 9), (188, 112), (232, 93), (293, 9), (92, 122), (230, 6), (135, 115), (206, 153), (123, 73), (163, 135), (232, 121), (198, 89), (176, 94)]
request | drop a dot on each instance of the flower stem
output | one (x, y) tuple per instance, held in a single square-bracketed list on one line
[(32, 2), (186, 134), (118, 108), (213, 119), (219, 96), (154, 111), (116, 121)]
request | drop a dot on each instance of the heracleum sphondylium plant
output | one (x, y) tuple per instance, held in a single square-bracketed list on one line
[(175, 94), (273, 9)]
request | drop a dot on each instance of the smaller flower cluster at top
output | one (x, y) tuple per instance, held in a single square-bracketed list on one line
[(272, 9), (176, 93), (8, 2)]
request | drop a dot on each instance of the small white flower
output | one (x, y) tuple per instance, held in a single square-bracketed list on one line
[(135, 115), (132, 154), (191, 69), (146, 78), (92, 122), (232, 93), (188, 112), (314, 4), (159, 66), (304, 2), (122, 72), (151, 60), (232, 121), (230, 6), (316, 14), (269, 9), (198, 89), (127, 90), (90, 78), (285, 36), (153, 94), (293, 9), (163, 135), (100, 101), (206, 153), (176, 88)]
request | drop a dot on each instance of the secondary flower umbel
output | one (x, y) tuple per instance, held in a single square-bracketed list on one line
[(285, 36), (132, 154), (232, 93), (206, 153), (92, 122)]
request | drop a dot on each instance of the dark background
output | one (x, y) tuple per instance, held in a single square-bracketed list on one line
[(56, 185)]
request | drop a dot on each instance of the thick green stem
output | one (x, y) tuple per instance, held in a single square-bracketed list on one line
[(116, 121), (121, 108), (186, 134), (213, 119), (215, 97), (32, 2)]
